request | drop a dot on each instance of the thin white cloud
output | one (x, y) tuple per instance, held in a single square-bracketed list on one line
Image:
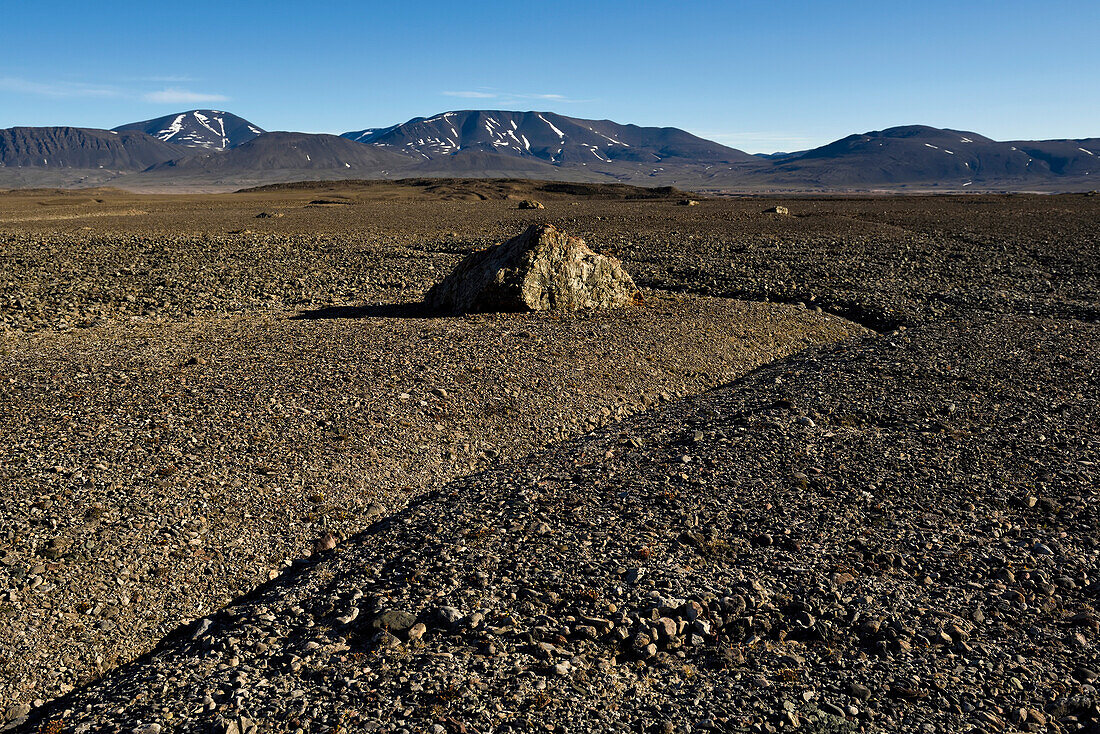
[(511, 97), (175, 95), (472, 95), (57, 89)]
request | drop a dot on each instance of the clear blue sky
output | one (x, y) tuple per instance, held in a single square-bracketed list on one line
[(761, 76)]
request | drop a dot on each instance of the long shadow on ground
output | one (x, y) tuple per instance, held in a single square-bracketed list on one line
[(379, 310)]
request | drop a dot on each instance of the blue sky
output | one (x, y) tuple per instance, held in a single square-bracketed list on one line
[(761, 76)]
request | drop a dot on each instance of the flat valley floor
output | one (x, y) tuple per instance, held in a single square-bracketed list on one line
[(837, 473)]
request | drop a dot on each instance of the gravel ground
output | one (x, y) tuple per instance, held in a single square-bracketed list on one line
[(153, 471), (892, 533), (882, 262), (898, 533)]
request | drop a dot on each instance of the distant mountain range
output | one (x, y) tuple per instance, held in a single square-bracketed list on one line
[(545, 136), (211, 148)]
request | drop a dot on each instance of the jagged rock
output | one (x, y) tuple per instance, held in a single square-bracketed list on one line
[(540, 270), (530, 204), (778, 210)]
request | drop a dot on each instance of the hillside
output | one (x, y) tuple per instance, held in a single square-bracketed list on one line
[(209, 129), (81, 148)]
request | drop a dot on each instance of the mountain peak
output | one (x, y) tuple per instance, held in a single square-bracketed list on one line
[(209, 129), (545, 136)]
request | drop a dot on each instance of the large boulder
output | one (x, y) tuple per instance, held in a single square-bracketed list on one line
[(540, 270)]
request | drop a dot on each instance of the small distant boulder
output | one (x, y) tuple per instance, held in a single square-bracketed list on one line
[(266, 215), (688, 202), (778, 210), (530, 204), (542, 269)]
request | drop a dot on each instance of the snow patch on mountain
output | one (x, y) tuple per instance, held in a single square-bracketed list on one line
[(207, 129)]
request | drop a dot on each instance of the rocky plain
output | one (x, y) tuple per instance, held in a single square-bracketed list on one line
[(835, 470)]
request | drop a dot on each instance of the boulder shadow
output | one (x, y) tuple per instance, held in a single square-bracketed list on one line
[(415, 310)]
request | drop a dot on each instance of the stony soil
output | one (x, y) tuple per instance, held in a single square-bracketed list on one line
[(890, 531)]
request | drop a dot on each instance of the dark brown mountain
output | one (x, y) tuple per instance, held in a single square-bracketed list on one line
[(1064, 157), (478, 163), (210, 129), (82, 148), (920, 155), (294, 151), (547, 137)]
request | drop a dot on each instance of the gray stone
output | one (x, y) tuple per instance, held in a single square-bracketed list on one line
[(542, 269), (19, 711), (448, 615), (394, 621), (859, 691)]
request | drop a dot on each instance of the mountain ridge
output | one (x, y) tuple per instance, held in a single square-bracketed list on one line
[(201, 147), (81, 148), (209, 129), (548, 136)]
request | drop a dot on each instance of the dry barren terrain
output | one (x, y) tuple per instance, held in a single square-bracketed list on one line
[(837, 473)]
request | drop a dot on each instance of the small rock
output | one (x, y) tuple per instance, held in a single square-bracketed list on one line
[(19, 711), (859, 691), (325, 543), (1085, 675), (394, 621)]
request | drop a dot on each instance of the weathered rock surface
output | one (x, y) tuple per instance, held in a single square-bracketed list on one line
[(542, 269), (530, 204)]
